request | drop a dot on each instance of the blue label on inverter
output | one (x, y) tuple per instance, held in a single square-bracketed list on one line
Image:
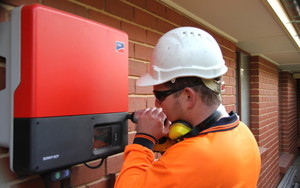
[(120, 47)]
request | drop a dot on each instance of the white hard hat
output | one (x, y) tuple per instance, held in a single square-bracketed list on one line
[(183, 52)]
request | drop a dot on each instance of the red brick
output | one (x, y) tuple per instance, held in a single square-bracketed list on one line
[(229, 99), (137, 103), (2, 78), (163, 26), (228, 53), (131, 137), (19, 2), (229, 81), (143, 52), (230, 108), (134, 32), (137, 68), (188, 22), (2, 14), (114, 163), (152, 38), (287, 88), (254, 59), (139, 3), (230, 63), (230, 90), (99, 4), (144, 90), (231, 73), (150, 102), (3, 150), (228, 44), (217, 37), (174, 16), (131, 126), (157, 8), (104, 19), (232, 45), (145, 19), (131, 86), (66, 6), (82, 174), (131, 49), (233, 81), (37, 182), (120, 9), (104, 183)]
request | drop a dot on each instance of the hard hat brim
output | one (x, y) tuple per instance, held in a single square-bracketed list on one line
[(147, 80)]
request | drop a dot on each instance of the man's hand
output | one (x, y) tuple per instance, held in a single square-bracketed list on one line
[(154, 122)]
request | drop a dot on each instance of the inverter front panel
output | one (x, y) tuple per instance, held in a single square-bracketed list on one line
[(71, 102), (45, 144), (70, 66)]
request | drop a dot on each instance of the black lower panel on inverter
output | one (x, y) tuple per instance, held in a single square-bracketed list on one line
[(45, 144)]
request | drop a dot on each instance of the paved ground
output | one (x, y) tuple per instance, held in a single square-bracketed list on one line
[(292, 177), (297, 164)]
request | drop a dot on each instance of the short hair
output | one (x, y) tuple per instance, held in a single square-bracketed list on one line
[(208, 96)]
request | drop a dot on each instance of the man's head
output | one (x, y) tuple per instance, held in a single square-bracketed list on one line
[(186, 60), (183, 96), (208, 96)]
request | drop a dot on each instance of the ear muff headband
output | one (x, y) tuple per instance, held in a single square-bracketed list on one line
[(181, 129), (178, 129)]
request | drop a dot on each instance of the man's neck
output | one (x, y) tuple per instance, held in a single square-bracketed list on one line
[(206, 111)]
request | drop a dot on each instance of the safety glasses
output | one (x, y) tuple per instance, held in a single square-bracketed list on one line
[(162, 95)]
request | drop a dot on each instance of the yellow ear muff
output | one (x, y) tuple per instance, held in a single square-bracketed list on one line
[(178, 129)]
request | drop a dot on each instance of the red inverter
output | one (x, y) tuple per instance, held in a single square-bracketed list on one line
[(67, 88)]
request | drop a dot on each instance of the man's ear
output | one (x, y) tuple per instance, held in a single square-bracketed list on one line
[(190, 97)]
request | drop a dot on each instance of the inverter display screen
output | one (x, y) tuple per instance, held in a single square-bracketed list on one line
[(102, 136)]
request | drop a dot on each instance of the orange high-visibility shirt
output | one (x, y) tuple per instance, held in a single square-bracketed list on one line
[(225, 156)]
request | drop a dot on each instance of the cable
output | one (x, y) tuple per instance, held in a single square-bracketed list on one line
[(62, 183), (46, 184), (97, 166)]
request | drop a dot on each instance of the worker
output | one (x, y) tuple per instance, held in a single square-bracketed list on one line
[(218, 150)]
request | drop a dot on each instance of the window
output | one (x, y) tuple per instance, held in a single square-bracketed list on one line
[(243, 86)]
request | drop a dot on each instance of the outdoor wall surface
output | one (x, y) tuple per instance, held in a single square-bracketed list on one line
[(288, 113), (144, 22), (264, 117)]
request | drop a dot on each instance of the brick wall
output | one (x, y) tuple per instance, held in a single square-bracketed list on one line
[(264, 116), (145, 21), (287, 121), (288, 113)]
